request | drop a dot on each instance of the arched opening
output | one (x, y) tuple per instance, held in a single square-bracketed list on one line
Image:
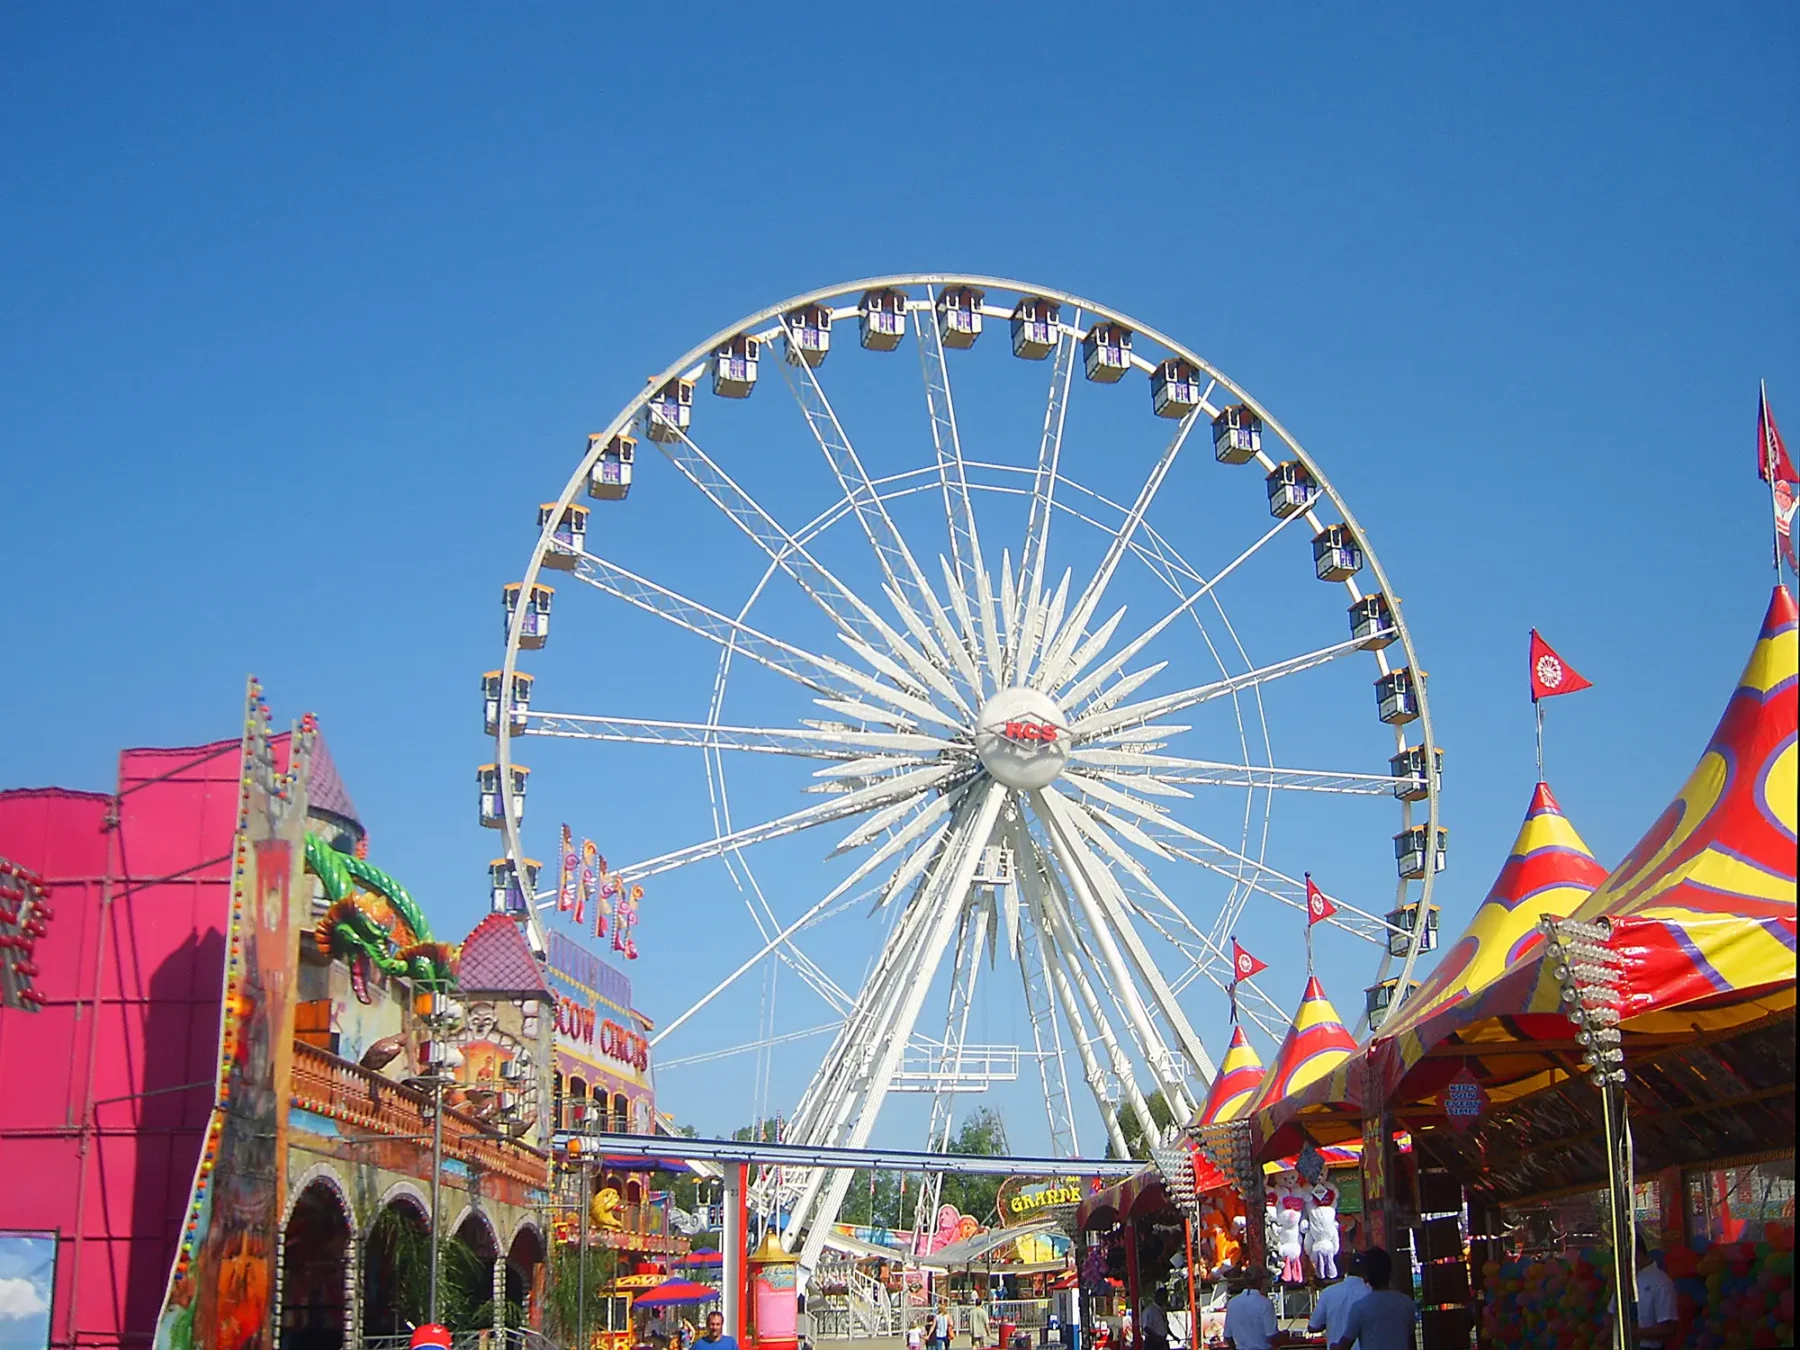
[(315, 1257), (621, 1110), (466, 1282), (524, 1260), (396, 1269)]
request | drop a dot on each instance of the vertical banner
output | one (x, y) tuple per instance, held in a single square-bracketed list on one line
[(221, 1290)]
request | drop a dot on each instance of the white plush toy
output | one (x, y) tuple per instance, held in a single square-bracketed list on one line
[(1290, 1211), (1322, 1239)]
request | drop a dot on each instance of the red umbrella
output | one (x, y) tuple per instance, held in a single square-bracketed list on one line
[(672, 1292)]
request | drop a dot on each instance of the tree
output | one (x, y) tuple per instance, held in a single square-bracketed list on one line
[(983, 1135), (1136, 1145), (465, 1279), (565, 1284)]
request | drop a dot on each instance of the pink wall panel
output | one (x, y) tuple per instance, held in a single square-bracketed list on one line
[(156, 1013)]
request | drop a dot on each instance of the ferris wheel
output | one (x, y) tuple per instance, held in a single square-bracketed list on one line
[(1049, 661)]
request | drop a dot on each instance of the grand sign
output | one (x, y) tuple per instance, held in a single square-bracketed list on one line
[(1023, 1199)]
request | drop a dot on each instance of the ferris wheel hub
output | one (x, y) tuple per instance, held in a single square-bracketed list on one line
[(1022, 739)]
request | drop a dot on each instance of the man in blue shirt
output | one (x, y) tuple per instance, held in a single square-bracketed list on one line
[(1335, 1302), (1383, 1318), (715, 1337)]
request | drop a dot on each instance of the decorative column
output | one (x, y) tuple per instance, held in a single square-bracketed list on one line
[(278, 1302), (353, 1292), (499, 1293)]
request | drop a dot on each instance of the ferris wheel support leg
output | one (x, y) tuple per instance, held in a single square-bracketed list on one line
[(1042, 944), (1079, 866), (1053, 1067), (1054, 909), (957, 873), (907, 962), (971, 939)]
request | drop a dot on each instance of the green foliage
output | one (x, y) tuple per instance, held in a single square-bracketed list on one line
[(1136, 1145), (465, 1279), (983, 1134), (564, 1285)]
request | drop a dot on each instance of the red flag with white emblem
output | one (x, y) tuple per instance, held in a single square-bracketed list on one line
[(1550, 674), (1244, 965), (1318, 905), (1772, 462)]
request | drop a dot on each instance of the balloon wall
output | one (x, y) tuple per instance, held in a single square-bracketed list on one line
[(1730, 1296)]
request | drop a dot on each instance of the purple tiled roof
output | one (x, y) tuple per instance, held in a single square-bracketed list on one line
[(325, 790), (496, 959)]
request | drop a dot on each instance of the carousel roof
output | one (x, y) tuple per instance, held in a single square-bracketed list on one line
[(1705, 900), (1315, 1044), (1238, 1078)]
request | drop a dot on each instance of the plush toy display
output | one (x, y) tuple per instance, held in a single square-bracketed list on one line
[(1290, 1212), (1322, 1229)]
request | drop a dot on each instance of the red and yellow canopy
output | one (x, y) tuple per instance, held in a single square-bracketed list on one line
[(1239, 1077), (1704, 903), (1315, 1044)]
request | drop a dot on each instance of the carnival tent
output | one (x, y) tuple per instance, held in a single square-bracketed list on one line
[(1704, 908), (1239, 1077), (1315, 1045)]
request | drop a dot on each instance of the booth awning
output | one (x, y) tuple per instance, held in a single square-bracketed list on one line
[(971, 1250), (1139, 1193)]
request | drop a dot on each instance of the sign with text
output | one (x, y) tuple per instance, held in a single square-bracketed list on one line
[(1024, 1199)]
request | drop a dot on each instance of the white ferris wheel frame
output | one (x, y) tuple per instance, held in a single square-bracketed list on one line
[(951, 474)]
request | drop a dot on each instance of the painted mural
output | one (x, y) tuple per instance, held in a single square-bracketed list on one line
[(219, 1292)]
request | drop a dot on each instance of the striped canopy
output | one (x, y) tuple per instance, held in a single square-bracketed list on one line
[(1239, 1077), (1704, 902), (1315, 1044), (1550, 872)]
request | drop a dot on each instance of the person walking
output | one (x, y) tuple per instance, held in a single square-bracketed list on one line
[(940, 1327), (981, 1329), (1384, 1318), (1336, 1300)]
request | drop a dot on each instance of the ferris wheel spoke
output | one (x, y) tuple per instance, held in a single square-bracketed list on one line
[(1101, 725), (1073, 952), (1117, 662), (1033, 557), (1111, 902), (913, 783), (1202, 964), (1174, 769), (1180, 840), (1060, 659), (848, 744), (852, 615), (965, 538), (911, 593)]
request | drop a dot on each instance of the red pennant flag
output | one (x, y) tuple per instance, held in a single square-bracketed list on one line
[(1318, 905), (1772, 462), (1550, 674), (1244, 965)]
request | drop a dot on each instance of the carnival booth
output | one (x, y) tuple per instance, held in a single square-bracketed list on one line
[(1669, 982)]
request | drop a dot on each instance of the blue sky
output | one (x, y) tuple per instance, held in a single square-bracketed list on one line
[(307, 313), (27, 1274)]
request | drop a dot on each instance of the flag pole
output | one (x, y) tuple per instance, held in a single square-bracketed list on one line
[(1537, 707), (1768, 461)]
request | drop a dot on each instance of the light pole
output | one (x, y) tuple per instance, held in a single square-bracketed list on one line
[(437, 1011)]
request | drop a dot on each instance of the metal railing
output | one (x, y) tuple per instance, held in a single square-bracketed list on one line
[(342, 1091)]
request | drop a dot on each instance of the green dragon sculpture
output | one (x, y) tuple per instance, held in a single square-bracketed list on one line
[(374, 923)]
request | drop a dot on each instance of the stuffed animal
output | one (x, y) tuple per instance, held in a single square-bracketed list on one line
[(1290, 1213), (1322, 1238)]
